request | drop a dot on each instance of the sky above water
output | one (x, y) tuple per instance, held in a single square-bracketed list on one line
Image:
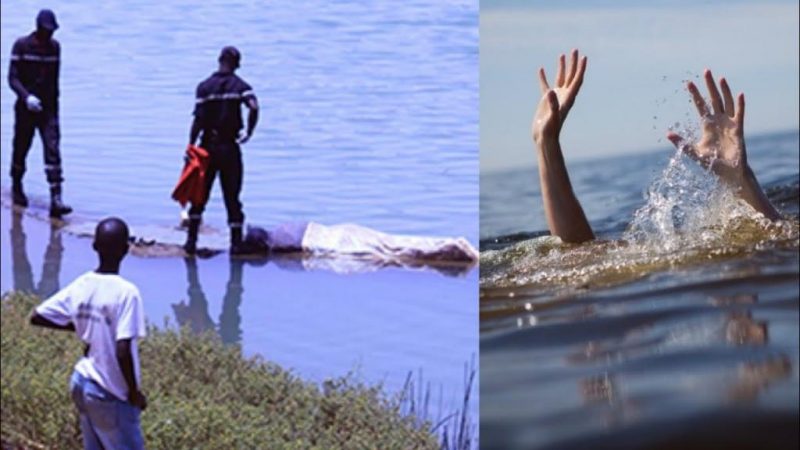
[(639, 53)]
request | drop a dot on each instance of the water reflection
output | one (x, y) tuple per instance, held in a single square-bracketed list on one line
[(230, 321), (195, 314), (21, 266), (736, 328)]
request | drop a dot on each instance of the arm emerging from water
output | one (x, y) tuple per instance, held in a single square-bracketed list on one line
[(565, 216), (722, 146)]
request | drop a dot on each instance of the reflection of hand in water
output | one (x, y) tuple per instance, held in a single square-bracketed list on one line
[(737, 328), (21, 266), (601, 388), (740, 328), (754, 377)]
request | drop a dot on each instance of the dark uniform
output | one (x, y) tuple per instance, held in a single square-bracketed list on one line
[(35, 65), (218, 112)]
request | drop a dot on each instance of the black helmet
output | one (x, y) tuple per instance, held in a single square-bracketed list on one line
[(46, 19), (231, 55)]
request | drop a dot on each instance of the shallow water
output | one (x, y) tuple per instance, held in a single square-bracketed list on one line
[(678, 328), (360, 104)]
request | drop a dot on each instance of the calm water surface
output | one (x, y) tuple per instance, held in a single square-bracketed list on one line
[(684, 335), (368, 112), (368, 115)]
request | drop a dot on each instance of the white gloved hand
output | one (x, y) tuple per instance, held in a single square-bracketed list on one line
[(243, 137), (33, 103)]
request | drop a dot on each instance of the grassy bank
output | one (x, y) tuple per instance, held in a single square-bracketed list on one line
[(201, 394)]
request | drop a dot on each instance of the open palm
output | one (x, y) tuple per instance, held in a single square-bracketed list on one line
[(553, 108), (721, 146)]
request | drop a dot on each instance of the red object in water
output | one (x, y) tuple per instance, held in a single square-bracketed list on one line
[(191, 184)]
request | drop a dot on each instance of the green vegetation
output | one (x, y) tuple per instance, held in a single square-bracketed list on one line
[(201, 394)]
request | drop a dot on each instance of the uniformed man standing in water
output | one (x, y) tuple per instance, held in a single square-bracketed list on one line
[(33, 75), (218, 123)]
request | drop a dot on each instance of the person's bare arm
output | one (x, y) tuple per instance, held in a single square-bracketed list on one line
[(722, 145), (40, 321), (125, 361), (565, 216)]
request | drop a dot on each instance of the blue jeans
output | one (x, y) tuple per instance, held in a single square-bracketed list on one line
[(106, 421)]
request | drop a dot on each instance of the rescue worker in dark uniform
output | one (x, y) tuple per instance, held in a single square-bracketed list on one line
[(218, 124), (33, 75)]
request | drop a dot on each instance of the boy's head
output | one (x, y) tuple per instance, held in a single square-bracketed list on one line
[(111, 239)]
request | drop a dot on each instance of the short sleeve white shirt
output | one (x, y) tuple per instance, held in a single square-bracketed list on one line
[(104, 308)]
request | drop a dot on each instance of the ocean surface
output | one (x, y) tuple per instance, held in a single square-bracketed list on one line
[(677, 328), (369, 115)]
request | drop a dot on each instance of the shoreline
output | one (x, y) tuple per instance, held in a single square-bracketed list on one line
[(178, 370), (278, 314)]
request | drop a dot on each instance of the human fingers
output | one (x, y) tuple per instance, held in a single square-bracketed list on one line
[(543, 81), (699, 102), (685, 147), (560, 75), (716, 100), (573, 66), (578, 80), (739, 116), (726, 94), (572, 90), (552, 101), (676, 139), (552, 124)]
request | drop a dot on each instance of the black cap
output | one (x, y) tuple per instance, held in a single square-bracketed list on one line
[(46, 19), (231, 55)]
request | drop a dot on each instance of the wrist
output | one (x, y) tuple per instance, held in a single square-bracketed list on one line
[(748, 184), (548, 144)]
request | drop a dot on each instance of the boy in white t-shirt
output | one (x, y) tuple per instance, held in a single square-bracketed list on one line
[(106, 313)]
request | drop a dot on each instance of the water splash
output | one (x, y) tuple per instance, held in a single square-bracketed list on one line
[(682, 204), (689, 217)]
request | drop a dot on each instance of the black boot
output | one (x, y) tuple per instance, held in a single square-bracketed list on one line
[(190, 247), (17, 194), (57, 207), (236, 241)]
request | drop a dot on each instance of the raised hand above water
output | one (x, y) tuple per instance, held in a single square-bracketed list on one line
[(721, 146), (564, 214), (546, 124)]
